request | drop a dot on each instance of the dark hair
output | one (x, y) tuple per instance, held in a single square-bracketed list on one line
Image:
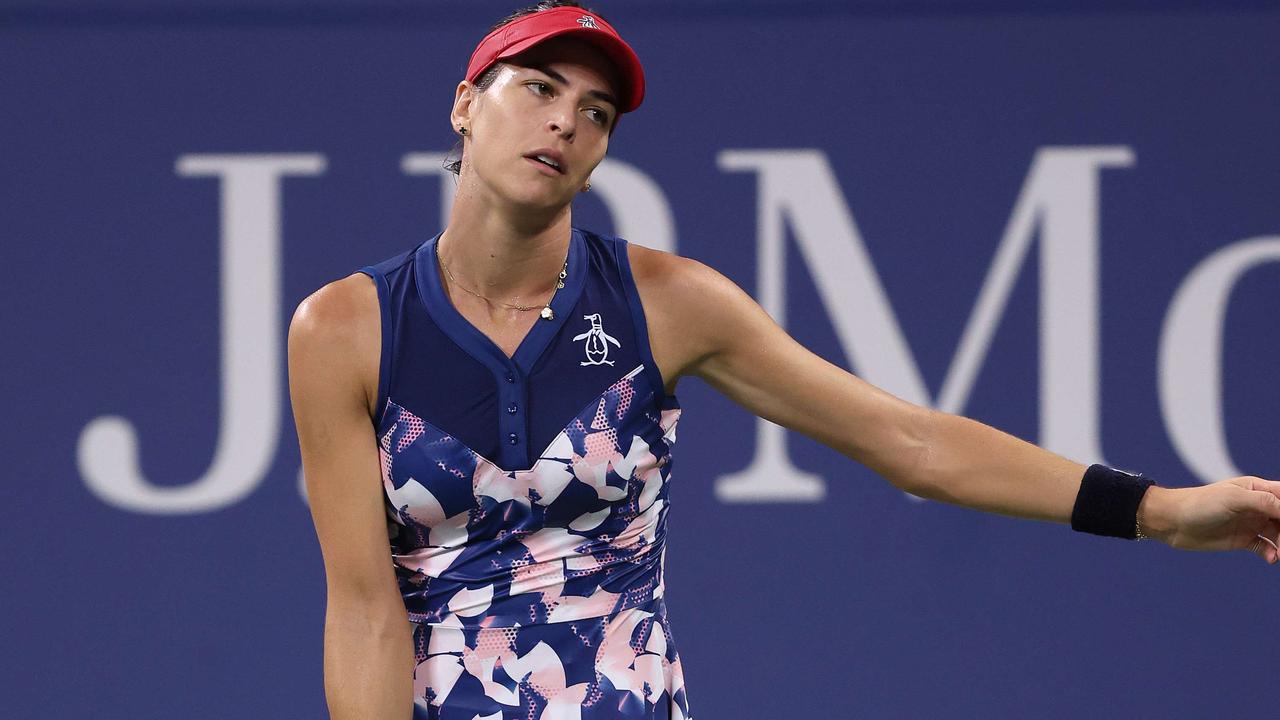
[(487, 77)]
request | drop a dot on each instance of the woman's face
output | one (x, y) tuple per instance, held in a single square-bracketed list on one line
[(556, 99)]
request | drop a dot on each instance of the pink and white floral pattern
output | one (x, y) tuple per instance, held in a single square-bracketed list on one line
[(538, 593)]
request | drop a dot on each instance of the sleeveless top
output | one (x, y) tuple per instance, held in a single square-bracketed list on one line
[(531, 489)]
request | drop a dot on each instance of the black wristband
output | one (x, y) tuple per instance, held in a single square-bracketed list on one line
[(1108, 502)]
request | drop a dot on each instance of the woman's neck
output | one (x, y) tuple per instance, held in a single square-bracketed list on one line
[(508, 257)]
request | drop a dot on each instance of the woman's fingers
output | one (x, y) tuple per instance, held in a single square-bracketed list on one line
[(1271, 486), (1265, 548), (1264, 498), (1272, 535)]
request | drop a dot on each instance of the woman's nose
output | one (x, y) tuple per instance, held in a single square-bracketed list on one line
[(563, 122)]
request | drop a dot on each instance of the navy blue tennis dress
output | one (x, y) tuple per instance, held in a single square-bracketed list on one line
[(529, 497)]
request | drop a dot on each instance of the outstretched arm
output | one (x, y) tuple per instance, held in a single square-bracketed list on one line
[(738, 349)]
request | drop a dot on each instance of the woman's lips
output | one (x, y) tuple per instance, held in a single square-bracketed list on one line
[(544, 167)]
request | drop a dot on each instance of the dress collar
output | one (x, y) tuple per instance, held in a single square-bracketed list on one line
[(475, 342)]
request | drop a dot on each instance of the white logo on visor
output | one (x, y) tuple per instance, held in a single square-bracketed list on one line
[(587, 21)]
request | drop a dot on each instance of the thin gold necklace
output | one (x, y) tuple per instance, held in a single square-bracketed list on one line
[(547, 313)]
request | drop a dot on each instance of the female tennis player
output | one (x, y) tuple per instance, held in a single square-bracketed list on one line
[(486, 423)]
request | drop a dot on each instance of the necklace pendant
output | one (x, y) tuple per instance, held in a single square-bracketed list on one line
[(548, 313)]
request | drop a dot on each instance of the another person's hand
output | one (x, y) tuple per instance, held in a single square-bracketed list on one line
[(1242, 513)]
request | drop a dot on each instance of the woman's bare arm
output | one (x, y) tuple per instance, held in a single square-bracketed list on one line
[(708, 327), (334, 347)]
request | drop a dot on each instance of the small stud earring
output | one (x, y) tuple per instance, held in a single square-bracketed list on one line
[(462, 129), (588, 187)]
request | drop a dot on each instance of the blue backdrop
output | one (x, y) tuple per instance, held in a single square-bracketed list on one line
[(1058, 218)]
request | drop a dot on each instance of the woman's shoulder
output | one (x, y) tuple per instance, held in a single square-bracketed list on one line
[(665, 280), (339, 309), (682, 300), (346, 309), (336, 332), (667, 273)]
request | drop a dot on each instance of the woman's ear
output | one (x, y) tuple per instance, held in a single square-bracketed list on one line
[(461, 115)]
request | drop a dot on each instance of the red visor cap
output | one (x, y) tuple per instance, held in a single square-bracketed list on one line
[(523, 33)]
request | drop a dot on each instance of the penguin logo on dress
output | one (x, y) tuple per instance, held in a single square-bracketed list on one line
[(597, 345)]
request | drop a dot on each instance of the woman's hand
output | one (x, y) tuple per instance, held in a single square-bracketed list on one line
[(1242, 513)]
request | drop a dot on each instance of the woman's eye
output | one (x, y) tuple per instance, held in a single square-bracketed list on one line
[(541, 86), (599, 116)]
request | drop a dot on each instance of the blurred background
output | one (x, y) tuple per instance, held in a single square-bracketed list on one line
[(1059, 218)]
